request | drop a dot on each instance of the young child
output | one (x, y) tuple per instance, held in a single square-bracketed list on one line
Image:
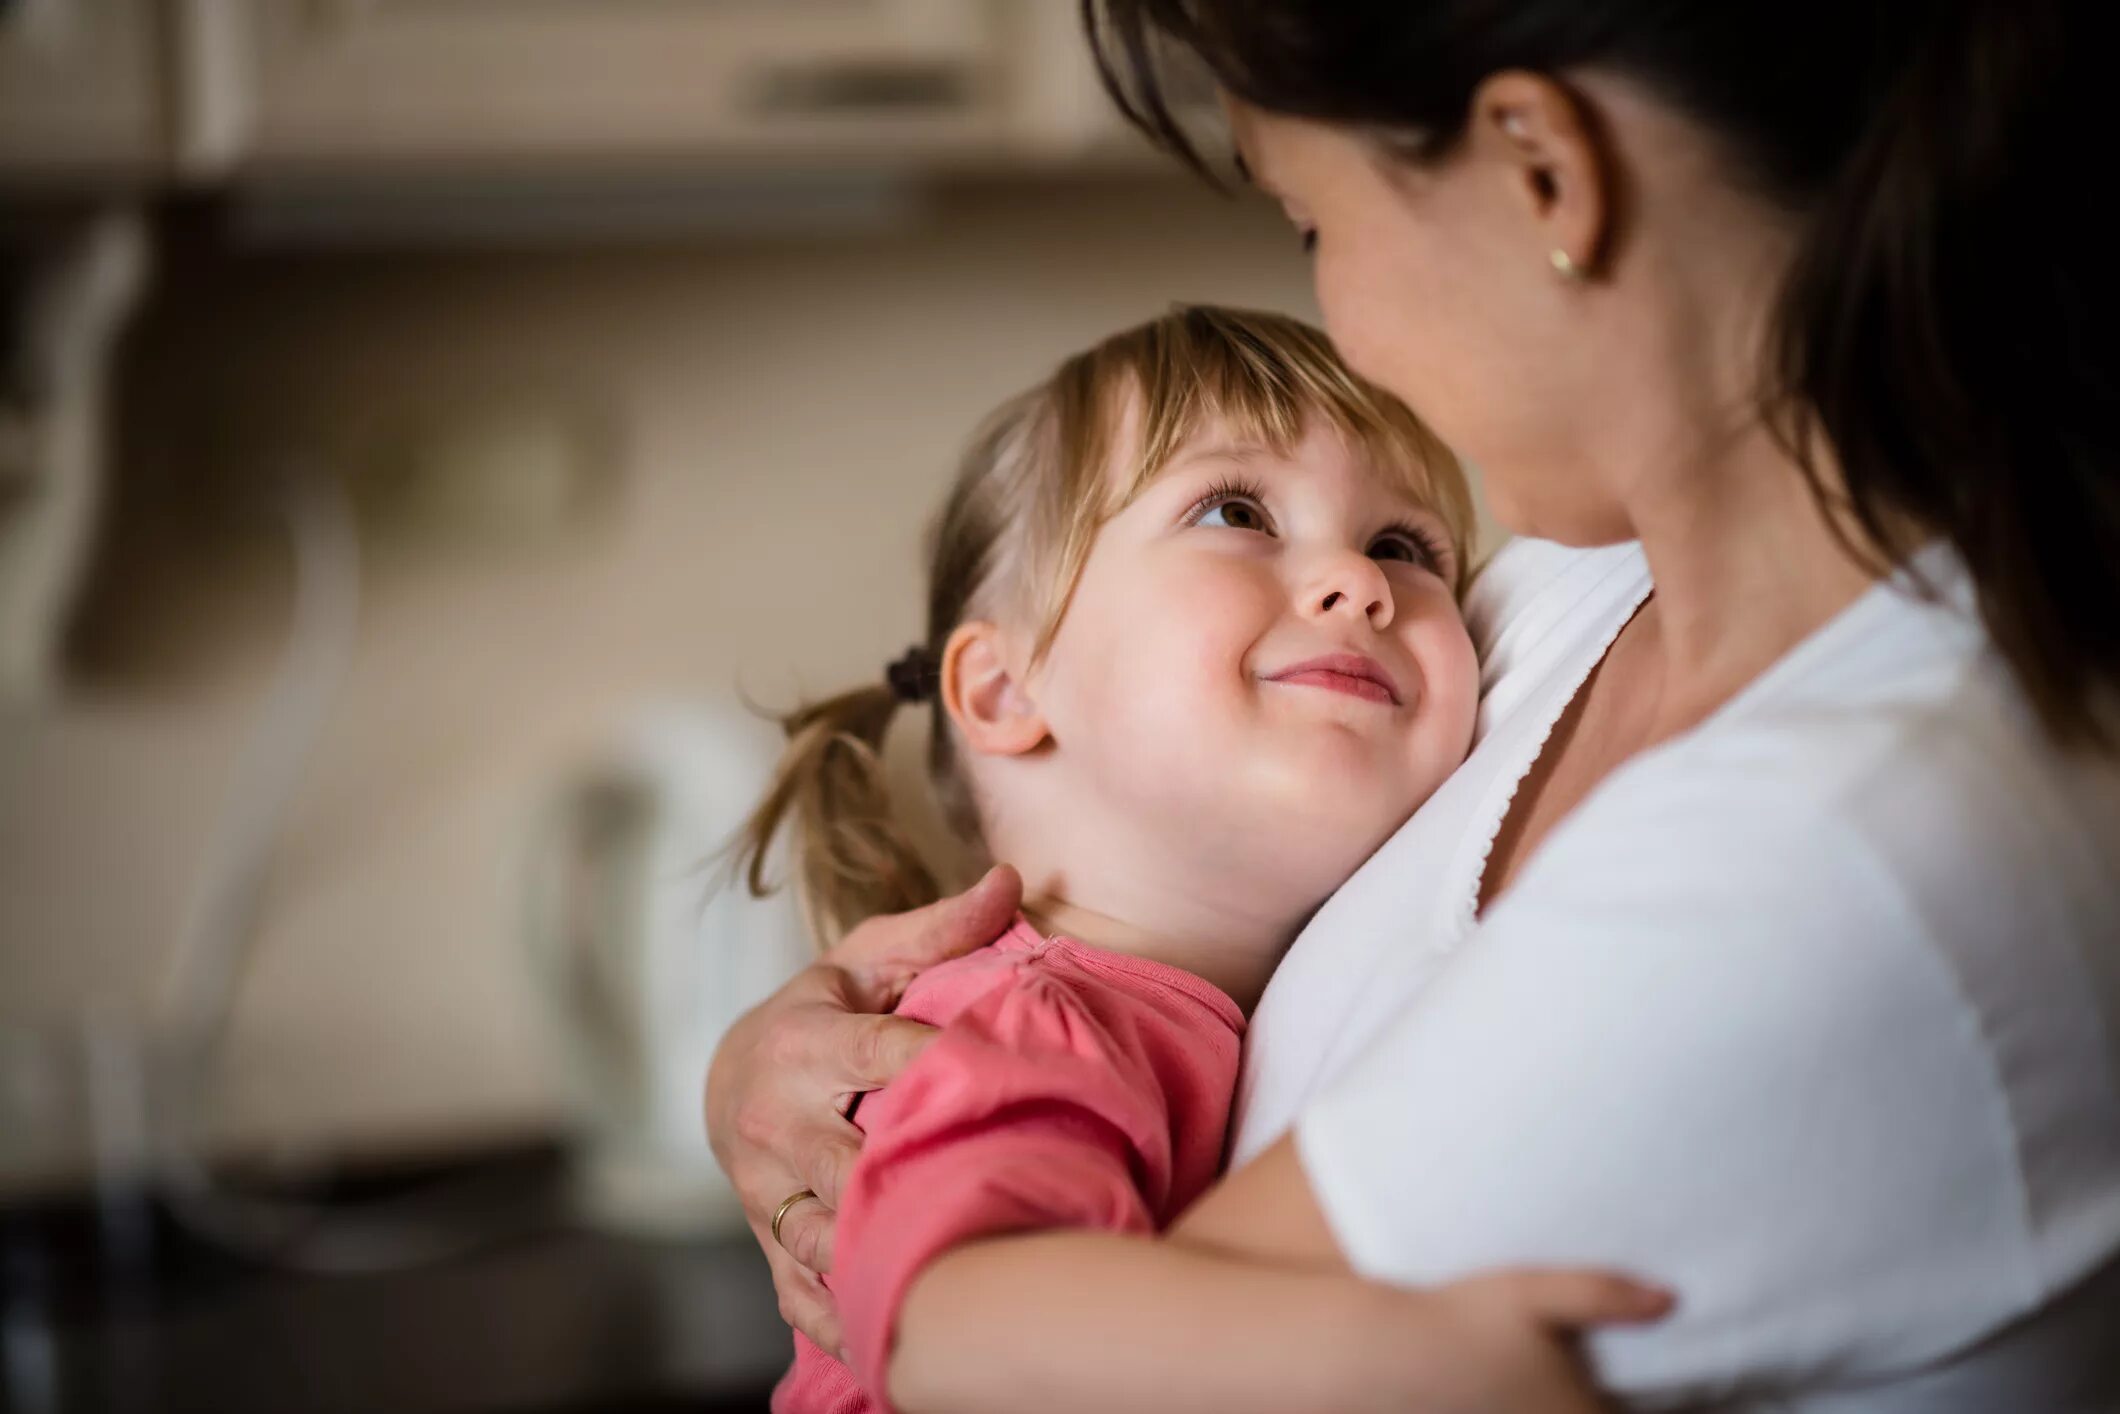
[(1193, 652)]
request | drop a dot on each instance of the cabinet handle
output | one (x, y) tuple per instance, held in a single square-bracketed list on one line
[(861, 86)]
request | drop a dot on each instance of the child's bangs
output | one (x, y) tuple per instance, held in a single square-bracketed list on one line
[(1117, 415), (1267, 380)]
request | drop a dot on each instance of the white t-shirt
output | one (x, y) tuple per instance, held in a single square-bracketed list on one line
[(1812, 1013)]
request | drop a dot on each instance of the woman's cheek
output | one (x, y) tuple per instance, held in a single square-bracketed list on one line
[(1350, 317)]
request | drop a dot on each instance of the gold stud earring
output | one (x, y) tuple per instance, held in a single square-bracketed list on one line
[(1565, 264)]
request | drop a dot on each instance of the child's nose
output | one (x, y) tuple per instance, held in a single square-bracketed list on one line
[(1354, 584)]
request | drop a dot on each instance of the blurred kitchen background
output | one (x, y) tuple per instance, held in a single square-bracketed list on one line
[(425, 424)]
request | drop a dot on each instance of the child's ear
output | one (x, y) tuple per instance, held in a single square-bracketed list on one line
[(984, 698)]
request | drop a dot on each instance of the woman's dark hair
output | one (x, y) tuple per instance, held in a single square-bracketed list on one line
[(1947, 324)]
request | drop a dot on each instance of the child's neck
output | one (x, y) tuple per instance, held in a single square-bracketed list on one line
[(1235, 955)]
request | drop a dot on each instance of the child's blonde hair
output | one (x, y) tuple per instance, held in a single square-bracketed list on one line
[(1034, 488)]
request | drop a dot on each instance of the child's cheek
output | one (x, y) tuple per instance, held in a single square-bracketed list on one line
[(1171, 664), (1450, 673), (1207, 626)]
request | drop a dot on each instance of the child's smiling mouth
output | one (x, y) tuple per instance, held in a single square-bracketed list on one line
[(1350, 673)]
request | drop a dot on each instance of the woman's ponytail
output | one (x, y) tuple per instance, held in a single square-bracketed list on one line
[(851, 854), (1948, 332)]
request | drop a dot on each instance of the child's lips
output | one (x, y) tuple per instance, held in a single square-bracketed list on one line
[(1350, 673)]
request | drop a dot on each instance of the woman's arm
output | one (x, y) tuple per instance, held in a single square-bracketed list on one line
[(1265, 1212), (1066, 1321)]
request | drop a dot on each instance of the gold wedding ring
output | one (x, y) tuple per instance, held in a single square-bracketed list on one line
[(782, 1211)]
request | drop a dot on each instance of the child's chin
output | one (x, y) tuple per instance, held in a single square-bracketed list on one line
[(1341, 810), (1361, 768)]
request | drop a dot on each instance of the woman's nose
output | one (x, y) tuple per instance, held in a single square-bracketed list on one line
[(1352, 584)]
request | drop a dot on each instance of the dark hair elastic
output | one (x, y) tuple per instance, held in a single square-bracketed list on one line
[(912, 677)]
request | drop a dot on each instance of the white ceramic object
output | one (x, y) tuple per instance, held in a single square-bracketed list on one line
[(649, 950)]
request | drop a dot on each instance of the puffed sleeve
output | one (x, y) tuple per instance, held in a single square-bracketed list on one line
[(1034, 1109)]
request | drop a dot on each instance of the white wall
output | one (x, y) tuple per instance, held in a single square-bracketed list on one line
[(787, 413)]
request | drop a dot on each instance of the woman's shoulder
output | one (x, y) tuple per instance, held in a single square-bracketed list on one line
[(1881, 853), (1892, 757), (1900, 734), (1944, 799)]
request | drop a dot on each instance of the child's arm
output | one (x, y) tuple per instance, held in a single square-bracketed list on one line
[(1082, 1320)]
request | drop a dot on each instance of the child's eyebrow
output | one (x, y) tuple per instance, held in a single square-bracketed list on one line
[(1222, 451)]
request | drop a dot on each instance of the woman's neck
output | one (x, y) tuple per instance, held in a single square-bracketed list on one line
[(1745, 560), (1746, 566)]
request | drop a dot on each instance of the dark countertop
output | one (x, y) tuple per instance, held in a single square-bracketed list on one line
[(553, 1319)]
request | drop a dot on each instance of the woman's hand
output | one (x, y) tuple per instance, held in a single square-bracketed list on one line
[(781, 1080), (1510, 1340)]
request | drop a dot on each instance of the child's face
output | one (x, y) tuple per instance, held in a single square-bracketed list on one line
[(1263, 662)]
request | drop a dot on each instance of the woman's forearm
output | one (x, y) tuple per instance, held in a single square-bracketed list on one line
[(1068, 1321)]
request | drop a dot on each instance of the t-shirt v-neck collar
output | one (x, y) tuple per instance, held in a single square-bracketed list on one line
[(1534, 730)]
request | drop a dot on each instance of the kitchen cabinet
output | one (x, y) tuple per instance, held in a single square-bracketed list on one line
[(367, 82), (212, 92), (80, 90)]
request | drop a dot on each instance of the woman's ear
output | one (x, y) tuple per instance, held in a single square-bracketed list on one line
[(983, 696), (1550, 144)]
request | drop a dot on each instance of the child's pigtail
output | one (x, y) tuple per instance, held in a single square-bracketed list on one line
[(851, 854)]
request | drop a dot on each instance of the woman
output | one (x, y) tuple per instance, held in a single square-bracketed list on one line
[(1766, 944)]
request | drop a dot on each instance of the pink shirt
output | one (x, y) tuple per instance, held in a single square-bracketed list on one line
[(1071, 1087)]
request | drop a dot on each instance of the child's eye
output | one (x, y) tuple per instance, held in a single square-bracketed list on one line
[(1410, 544), (1237, 515), (1231, 508), (1310, 240)]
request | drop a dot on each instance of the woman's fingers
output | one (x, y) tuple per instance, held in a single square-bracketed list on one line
[(804, 1151), (863, 1053), (884, 954), (804, 1302), (1570, 1299), (806, 1234), (824, 1156)]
